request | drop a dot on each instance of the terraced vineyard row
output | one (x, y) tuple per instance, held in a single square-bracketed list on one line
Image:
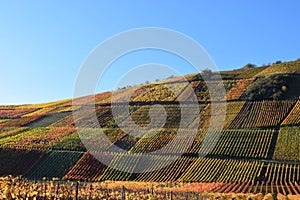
[(202, 91), (44, 105), (19, 122), (178, 143), (238, 143), (219, 89), (119, 96), (232, 143), (125, 143), (48, 119), (55, 164), (70, 142), (14, 113), (10, 132), (88, 168), (232, 109), (243, 73), (216, 170), (126, 162), (176, 115), (273, 112), (283, 189), (107, 116), (104, 118), (282, 68), (67, 121), (169, 173), (239, 115), (236, 92), (87, 99), (38, 137), (287, 145), (138, 93), (293, 118), (18, 161), (186, 94), (153, 140), (214, 90), (280, 172), (73, 141), (165, 92), (261, 114), (41, 111), (183, 169)]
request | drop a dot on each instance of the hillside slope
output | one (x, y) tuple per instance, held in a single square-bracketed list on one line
[(259, 140)]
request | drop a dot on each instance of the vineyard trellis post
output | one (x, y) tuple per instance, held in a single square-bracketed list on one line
[(171, 195), (45, 185), (91, 190), (57, 189), (76, 191), (186, 195), (123, 192), (152, 190)]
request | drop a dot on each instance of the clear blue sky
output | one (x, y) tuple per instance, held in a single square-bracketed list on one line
[(43, 43)]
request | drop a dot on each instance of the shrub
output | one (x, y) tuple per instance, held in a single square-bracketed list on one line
[(273, 87)]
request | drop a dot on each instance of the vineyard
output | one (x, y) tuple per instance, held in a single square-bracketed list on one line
[(38, 137), (167, 92), (255, 151), (54, 164), (242, 143), (261, 114), (282, 68), (216, 170), (280, 172), (293, 117), (18, 161), (287, 147), (88, 168), (236, 92), (18, 188), (243, 73)]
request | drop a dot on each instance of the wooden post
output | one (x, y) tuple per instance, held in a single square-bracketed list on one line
[(152, 190), (76, 191), (57, 188), (91, 190), (123, 192), (45, 190)]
